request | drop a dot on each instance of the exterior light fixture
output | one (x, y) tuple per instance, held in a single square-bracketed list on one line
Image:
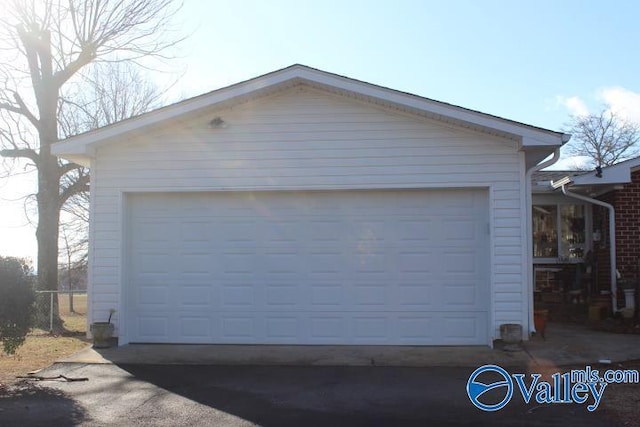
[(218, 123)]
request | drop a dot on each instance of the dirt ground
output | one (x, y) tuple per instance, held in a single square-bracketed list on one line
[(41, 348)]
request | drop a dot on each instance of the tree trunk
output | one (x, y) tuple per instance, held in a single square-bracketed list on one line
[(47, 234), (48, 191)]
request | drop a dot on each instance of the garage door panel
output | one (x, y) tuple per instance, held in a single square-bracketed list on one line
[(343, 267), (282, 295), (154, 297), (283, 328), (152, 328), (368, 329), (413, 327), (152, 263), (370, 297), (326, 329), (321, 264), (415, 296), (188, 278), (463, 328), (369, 264), (195, 328), (239, 328), (327, 296), (237, 262), (461, 296), (416, 264), (194, 296), (238, 296), (193, 263), (459, 230)]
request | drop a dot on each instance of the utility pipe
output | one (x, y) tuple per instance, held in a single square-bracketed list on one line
[(612, 241), (528, 262)]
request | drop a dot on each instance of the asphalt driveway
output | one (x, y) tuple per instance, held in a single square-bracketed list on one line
[(172, 395)]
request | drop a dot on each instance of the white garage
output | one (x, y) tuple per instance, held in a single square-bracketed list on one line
[(303, 207), (342, 267)]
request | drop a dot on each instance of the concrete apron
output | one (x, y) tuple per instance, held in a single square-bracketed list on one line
[(564, 345), (299, 355)]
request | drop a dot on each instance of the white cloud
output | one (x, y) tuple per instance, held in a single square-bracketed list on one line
[(622, 102), (575, 105)]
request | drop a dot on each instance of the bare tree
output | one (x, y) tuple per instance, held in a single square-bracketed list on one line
[(46, 46), (604, 138), (111, 93), (71, 250), (107, 94)]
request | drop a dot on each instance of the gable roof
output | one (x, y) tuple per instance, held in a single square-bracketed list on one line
[(81, 147)]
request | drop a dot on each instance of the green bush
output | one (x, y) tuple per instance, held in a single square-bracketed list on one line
[(17, 298)]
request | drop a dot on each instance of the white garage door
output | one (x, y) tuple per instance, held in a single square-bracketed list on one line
[(335, 267)]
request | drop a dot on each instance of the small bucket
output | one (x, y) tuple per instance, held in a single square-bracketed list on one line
[(511, 333)]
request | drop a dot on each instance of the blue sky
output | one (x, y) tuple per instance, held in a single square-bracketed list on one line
[(530, 61), (514, 59)]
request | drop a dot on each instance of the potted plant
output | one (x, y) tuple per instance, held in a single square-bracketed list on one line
[(102, 332), (540, 320)]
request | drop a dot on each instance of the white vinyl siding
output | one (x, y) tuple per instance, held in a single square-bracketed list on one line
[(303, 139)]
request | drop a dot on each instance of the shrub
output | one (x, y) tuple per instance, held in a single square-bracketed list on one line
[(17, 298)]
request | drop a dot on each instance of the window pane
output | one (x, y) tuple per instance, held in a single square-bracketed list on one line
[(545, 231), (572, 236)]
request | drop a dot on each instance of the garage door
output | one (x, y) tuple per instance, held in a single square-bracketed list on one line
[(342, 267)]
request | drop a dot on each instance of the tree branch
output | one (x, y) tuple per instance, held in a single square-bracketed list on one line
[(21, 153), (21, 108), (68, 167), (78, 186), (85, 57), (24, 110), (12, 108), (31, 53)]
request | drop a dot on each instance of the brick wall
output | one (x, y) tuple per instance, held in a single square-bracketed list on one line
[(627, 205), (627, 230), (601, 248)]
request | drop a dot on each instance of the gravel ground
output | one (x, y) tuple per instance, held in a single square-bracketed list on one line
[(622, 401)]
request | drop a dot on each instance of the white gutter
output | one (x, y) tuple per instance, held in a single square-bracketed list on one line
[(612, 236), (529, 230)]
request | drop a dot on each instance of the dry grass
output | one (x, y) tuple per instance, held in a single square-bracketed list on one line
[(38, 351), (77, 321), (42, 349)]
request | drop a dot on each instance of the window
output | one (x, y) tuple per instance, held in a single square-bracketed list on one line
[(559, 231), (545, 231), (572, 237)]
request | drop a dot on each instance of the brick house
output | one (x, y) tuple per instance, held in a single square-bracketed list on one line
[(627, 203), (583, 258)]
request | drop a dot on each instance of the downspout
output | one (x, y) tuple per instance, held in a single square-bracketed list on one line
[(612, 240), (529, 229)]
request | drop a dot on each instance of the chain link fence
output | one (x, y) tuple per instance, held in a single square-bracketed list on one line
[(70, 306)]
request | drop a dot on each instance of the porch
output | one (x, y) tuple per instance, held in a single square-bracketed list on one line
[(576, 262)]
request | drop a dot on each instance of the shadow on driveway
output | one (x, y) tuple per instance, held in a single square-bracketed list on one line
[(353, 396), (193, 395), (30, 404)]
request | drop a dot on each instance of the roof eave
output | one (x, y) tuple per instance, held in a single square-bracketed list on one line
[(528, 136)]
